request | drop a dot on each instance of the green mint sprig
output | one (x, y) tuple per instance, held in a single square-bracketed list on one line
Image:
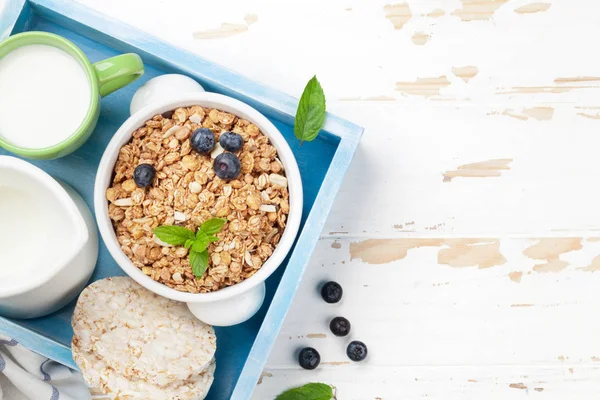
[(310, 391), (197, 242), (310, 115)]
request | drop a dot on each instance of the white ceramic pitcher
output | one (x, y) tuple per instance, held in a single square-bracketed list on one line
[(48, 241)]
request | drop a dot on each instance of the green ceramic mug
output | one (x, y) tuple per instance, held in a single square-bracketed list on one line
[(104, 78)]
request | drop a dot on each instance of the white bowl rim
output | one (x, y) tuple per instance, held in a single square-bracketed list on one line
[(49, 270), (228, 104)]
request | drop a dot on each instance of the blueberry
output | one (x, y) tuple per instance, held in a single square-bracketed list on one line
[(203, 140), (357, 351), (332, 292), (143, 175), (309, 358), (227, 166), (340, 326), (231, 141)]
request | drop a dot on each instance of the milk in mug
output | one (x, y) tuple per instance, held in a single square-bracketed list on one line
[(45, 95)]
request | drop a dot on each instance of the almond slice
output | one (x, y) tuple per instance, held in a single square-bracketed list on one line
[(278, 180), (179, 216), (268, 208), (248, 258), (196, 118), (128, 202), (171, 131), (216, 151), (195, 187)]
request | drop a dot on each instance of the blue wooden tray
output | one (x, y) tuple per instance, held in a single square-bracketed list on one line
[(242, 350)]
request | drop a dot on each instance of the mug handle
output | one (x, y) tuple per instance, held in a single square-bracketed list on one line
[(117, 72), (232, 311)]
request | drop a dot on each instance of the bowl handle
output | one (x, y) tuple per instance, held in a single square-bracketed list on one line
[(231, 311), (169, 86)]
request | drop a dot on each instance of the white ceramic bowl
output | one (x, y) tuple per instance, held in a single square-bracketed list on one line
[(234, 304), (59, 279)]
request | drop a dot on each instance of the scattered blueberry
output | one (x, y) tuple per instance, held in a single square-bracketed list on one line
[(357, 351), (203, 140), (309, 358), (332, 292), (340, 326), (227, 166), (143, 175), (231, 141)]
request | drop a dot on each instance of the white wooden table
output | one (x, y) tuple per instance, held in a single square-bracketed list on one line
[(466, 234)]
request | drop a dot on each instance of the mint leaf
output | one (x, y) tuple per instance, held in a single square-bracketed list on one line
[(199, 262), (201, 243), (174, 235), (213, 225), (213, 239), (310, 115), (196, 242), (311, 391)]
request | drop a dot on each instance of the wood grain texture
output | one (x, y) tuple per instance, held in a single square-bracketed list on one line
[(420, 38), (423, 86), (532, 8), (477, 10), (398, 14), (225, 30), (481, 169), (522, 327), (466, 73)]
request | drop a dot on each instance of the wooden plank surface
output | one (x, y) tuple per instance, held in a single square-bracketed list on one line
[(465, 234)]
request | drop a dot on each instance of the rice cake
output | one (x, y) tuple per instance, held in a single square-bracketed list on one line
[(130, 340)]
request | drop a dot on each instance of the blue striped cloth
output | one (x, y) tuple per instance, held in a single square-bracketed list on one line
[(37, 377)]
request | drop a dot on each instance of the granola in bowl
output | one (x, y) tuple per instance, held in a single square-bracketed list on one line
[(186, 191)]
